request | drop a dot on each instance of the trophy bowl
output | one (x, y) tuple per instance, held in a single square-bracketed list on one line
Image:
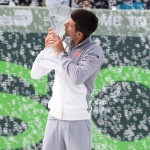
[(57, 17)]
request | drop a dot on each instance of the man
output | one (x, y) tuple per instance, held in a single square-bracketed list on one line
[(68, 126)]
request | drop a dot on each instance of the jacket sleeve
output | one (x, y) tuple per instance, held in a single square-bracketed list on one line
[(80, 72), (38, 70)]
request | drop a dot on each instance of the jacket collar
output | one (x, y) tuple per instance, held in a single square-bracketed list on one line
[(87, 40)]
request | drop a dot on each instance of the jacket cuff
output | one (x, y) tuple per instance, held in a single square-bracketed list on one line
[(64, 53)]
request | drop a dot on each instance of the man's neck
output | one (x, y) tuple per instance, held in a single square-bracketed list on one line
[(77, 42)]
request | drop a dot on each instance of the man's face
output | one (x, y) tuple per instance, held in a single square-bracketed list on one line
[(70, 28)]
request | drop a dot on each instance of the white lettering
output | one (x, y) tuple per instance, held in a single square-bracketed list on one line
[(6, 20), (110, 20), (21, 18), (117, 21), (136, 21), (141, 22), (106, 20)]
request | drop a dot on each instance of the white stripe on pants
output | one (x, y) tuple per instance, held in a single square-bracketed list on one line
[(67, 135)]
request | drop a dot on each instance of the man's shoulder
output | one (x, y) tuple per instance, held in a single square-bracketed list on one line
[(95, 47)]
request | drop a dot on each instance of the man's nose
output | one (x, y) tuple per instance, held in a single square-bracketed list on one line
[(66, 24)]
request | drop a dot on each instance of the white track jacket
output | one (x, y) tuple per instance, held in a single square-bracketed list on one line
[(74, 80)]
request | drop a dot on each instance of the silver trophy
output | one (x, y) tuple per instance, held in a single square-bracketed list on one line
[(57, 16)]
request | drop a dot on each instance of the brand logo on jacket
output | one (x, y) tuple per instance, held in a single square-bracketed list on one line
[(78, 53)]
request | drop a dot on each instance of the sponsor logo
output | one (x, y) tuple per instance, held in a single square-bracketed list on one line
[(78, 53), (20, 17)]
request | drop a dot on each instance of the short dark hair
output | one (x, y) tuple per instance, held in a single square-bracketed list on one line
[(85, 21)]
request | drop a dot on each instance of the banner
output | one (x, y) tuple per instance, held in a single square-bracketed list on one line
[(121, 98), (28, 19)]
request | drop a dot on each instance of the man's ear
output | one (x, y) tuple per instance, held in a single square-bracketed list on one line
[(79, 35)]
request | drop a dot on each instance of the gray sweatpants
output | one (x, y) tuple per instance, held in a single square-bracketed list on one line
[(67, 135)]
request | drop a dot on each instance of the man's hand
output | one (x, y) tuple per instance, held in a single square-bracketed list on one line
[(50, 35), (53, 40)]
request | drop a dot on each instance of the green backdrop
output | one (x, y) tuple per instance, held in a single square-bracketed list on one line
[(121, 99)]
